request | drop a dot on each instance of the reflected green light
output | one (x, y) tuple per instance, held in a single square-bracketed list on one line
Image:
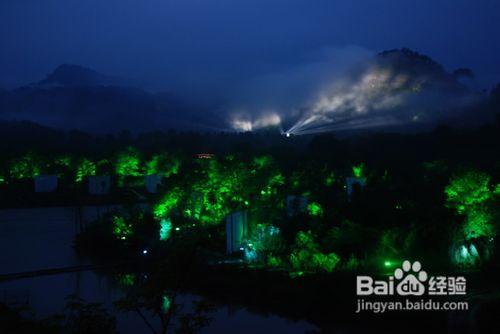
[(126, 280), (166, 303)]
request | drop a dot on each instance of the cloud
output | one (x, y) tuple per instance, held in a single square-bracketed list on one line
[(286, 91)]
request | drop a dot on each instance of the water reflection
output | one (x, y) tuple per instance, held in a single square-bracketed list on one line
[(41, 238)]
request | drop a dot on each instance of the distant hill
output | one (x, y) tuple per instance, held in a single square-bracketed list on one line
[(73, 96), (75, 75), (420, 71), (404, 88)]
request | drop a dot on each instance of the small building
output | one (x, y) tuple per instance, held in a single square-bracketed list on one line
[(205, 156), (236, 231), (353, 183), (99, 185), (45, 183), (295, 205), (152, 182)]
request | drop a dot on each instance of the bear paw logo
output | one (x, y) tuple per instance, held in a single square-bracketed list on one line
[(413, 278)]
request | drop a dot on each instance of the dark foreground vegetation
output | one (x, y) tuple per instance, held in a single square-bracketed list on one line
[(317, 211)]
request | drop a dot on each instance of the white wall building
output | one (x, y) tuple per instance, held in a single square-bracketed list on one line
[(45, 183)]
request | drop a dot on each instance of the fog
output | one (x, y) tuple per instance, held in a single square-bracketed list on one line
[(247, 61)]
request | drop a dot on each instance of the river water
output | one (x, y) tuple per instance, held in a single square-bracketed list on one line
[(42, 238)]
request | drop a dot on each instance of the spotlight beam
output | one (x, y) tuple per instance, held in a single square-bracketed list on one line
[(357, 122)]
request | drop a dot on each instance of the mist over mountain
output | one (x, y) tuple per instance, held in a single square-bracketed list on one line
[(398, 89), (395, 87)]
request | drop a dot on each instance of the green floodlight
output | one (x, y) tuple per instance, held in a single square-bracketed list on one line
[(389, 264)]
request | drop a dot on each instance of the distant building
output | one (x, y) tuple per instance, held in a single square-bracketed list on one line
[(45, 183), (152, 182), (352, 183), (295, 205), (236, 231), (205, 155), (99, 185)]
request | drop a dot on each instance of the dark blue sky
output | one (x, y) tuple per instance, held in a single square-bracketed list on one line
[(211, 46)]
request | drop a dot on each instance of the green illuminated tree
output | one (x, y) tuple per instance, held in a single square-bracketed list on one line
[(126, 280), (263, 161), (163, 164), (265, 245), (128, 163), (219, 188), (169, 202), (358, 170), (479, 223), (306, 255), (85, 168), (64, 160), (62, 166), (330, 179), (470, 195), (216, 187), (27, 166), (315, 209), (121, 228), (467, 190)]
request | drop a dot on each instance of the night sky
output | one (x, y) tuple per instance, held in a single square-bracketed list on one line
[(240, 52), (193, 42)]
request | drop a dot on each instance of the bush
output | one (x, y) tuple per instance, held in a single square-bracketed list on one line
[(306, 255)]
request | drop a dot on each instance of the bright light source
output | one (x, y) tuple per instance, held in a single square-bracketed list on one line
[(144, 251), (242, 122), (287, 134)]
